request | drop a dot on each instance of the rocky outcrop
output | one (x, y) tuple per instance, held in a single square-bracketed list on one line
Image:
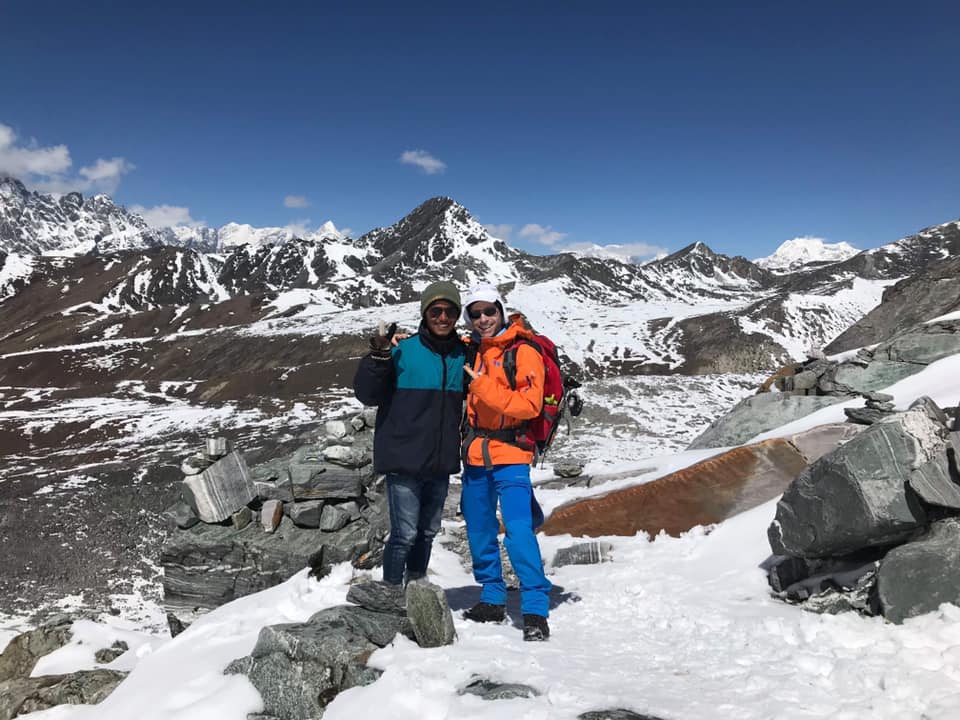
[(756, 414), (904, 305), (26, 695), (874, 525), (798, 389), (21, 694), (21, 654), (317, 507)]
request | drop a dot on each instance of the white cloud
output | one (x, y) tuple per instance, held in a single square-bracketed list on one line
[(423, 160), (295, 201), (161, 216), (47, 168), (30, 160), (543, 235), (502, 232), (628, 252)]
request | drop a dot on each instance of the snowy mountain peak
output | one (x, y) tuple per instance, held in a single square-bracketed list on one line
[(32, 223), (799, 252)]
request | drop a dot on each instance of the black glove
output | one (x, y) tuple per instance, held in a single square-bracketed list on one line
[(380, 343)]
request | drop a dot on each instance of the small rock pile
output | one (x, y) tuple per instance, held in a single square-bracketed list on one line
[(299, 668), (874, 525), (237, 530)]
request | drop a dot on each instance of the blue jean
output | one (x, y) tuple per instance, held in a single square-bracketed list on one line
[(510, 484), (416, 507)]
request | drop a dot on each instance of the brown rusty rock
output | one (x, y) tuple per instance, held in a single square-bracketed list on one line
[(704, 493), (786, 371)]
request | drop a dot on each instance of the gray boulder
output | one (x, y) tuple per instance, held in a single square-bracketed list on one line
[(333, 517), (430, 614), (306, 514), (915, 578), (858, 496), (756, 414)]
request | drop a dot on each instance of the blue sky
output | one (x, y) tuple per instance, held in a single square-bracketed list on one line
[(646, 124)]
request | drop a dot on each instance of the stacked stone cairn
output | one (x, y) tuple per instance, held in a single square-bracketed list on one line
[(237, 530), (874, 526)]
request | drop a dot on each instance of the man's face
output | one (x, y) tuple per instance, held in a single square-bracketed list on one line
[(485, 317), (441, 318)]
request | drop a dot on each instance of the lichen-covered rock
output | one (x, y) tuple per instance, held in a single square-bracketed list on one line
[(430, 614), (298, 669)]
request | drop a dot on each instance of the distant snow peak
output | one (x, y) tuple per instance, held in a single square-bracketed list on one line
[(795, 254)]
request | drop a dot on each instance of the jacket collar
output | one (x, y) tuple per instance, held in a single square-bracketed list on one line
[(518, 329)]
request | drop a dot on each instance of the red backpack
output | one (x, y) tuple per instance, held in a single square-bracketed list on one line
[(559, 394)]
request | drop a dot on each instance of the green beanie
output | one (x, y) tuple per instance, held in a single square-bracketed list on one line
[(440, 290)]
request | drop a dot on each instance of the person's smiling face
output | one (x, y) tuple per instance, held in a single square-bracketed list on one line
[(441, 318), (486, 318)]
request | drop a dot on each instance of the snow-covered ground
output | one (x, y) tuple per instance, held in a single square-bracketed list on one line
[(675, 627)]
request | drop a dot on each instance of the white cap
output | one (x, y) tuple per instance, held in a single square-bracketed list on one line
[(482, 293)]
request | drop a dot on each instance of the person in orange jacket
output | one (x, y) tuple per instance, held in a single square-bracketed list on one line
[(497, 468)]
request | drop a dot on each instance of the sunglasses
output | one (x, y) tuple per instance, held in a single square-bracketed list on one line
[(488, 311), (436, 311)]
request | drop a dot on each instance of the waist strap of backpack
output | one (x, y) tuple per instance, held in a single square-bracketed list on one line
[(472, 432)]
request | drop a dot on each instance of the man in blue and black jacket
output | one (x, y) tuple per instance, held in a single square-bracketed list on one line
[(417, 387)]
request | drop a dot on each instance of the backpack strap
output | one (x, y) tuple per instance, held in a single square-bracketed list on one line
[(472, 432), (510, 360)]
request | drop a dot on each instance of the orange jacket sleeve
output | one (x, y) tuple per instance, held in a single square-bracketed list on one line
[(526, 401)]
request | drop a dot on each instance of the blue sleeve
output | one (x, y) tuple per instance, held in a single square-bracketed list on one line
[(374, 381)]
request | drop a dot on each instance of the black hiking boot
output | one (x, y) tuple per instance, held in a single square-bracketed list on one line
[(486, 612), (535, 628)]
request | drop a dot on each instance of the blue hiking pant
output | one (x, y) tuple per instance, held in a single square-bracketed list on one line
[(510, 484), (416, 507)]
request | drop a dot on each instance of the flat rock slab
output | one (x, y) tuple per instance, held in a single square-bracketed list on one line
[(220, 490), (491, 690), (702, 494)]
